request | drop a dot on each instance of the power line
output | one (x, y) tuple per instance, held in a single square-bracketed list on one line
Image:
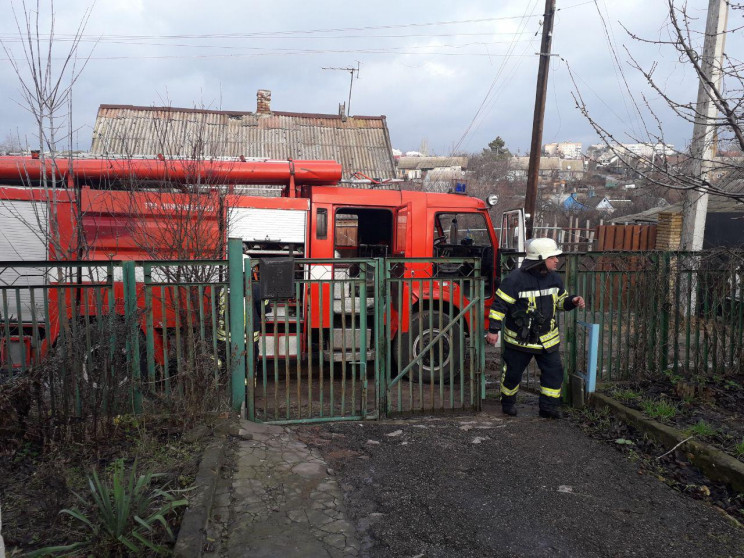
[(488, 96), (301, 33)]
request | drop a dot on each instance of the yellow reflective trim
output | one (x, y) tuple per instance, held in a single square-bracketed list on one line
[(525, 345), (550, 392), (507, 391), (548, 344), (550, 335), (541, 292), (505, 297), (494, 315), (511, 337)]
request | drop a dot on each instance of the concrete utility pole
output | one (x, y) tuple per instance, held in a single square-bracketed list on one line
[(537, 120), (701, 148)]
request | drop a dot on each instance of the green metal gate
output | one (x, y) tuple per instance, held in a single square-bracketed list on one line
[(434, 313), (354, 339)]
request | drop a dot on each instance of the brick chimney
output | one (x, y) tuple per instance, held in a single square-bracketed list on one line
[(263, 101)]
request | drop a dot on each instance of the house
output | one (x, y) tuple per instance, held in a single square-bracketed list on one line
[(724, 222), (571, 203), (567, 149), (551, 168), (436, 174), (603, 204), (360, 143)]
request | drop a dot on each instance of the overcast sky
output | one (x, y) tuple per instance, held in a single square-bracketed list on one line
[(450, 76)]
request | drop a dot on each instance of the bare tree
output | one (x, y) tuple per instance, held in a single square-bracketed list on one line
[(671, 169), (46, 87)]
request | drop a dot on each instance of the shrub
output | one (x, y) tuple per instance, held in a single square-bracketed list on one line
[(127, 515)]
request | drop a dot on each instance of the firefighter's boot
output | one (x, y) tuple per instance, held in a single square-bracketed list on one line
[(551, 413), (509, 405)]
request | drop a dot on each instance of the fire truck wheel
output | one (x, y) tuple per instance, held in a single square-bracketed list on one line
[(443, 358)]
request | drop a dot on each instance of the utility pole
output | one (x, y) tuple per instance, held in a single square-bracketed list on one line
[(695, 206), (351, 84), (537, 120)]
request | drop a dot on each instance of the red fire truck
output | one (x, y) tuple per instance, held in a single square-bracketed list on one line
[(124, 209)]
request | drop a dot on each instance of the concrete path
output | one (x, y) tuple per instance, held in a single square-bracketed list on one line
[(436, 487), (276, 498)]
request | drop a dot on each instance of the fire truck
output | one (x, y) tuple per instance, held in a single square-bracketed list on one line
[(124, 209)]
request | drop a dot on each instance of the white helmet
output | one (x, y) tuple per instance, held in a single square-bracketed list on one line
[(540, 249)]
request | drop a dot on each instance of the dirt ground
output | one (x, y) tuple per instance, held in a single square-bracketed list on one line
[(487, 485), (710, 407), (36, 485)]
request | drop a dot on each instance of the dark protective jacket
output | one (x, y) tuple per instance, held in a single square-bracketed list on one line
[(525, 308)]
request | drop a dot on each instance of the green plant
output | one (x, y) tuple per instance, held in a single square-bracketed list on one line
[(739, 449), (673, 377), (701, 429), (732, 385), (129, 514), (659, 409)]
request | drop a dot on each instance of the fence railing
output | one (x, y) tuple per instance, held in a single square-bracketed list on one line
[(659, 311), (93, 340), (107, 338)]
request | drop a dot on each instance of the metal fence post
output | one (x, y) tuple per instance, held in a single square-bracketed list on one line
[(572, 278), (250, 347), (666, 306), (382, 276), (132, 321), (237, 320), (150, 325)]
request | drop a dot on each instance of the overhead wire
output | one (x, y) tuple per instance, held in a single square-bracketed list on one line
[(488, 96), (617, 67)]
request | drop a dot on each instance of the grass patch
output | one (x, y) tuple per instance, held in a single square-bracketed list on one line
[(739, 449), (659, 409), (626, 395), (702, 429)]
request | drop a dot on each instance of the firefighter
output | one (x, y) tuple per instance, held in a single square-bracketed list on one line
[(525, 309)]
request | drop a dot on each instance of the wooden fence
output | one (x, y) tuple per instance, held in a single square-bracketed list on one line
[(590, 238)]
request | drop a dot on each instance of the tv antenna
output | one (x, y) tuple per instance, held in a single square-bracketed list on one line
[(351, 83)]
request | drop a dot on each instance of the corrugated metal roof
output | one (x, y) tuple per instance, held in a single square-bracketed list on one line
[(359, 143)]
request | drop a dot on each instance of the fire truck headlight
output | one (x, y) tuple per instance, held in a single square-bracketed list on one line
[(492, 199)]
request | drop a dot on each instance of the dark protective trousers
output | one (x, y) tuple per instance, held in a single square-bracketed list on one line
[(551, 376)]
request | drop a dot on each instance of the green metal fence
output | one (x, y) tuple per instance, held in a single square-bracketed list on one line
[(656, 311), (660, 311), (353, 339), (99, 339)]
